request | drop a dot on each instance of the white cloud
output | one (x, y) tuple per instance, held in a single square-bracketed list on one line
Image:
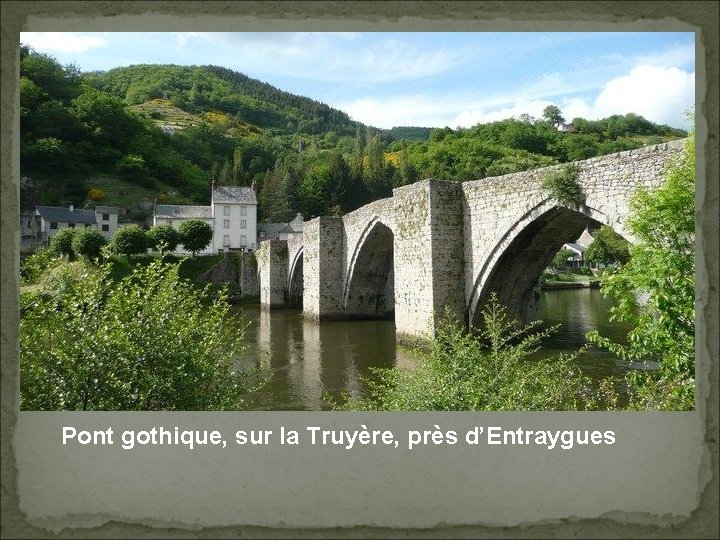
[(658, 93), (62, 42)]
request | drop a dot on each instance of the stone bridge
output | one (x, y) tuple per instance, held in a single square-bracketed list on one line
[(437, 245)]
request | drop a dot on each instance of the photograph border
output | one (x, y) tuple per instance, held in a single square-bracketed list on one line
[(386, 16)]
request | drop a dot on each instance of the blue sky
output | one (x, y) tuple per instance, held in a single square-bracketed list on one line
[(431, 79)]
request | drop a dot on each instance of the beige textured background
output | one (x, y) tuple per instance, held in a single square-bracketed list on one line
[(659, 480)]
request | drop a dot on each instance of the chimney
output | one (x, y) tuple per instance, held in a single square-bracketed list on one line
[(72, 207)]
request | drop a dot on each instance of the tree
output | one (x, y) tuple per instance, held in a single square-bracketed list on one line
[(552, 114), (130, 240), (62, 243), (655, 291), (163, 238), (607, 248), (151, 341), (195, 235), (88, 242), (560, 260)]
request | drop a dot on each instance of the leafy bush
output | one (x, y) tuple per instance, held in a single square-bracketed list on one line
[(662, 270), (563, 186), (150, 342), (130, 240), (195, 235), (163, 238), (96, 194), (61, 243), (88, 242), (490, 372), (33, 267)]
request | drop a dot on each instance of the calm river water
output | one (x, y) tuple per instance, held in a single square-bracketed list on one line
[(309, 359)]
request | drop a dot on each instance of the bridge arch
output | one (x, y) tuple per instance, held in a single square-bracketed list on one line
[(295, 280), (368, 291), (513, 266)]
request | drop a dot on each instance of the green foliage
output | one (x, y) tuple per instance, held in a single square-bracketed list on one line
[(163, 238), (560, 260), (608, 247), (195, 235), (553, 115), (655, 291), (563, 186), (61, 243), (130, 240), (34, 266), (150, 342), (88, 242), (492, 372)]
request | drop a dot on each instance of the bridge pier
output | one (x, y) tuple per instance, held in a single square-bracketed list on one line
[(323, 269), (272, 256), (428, 256)]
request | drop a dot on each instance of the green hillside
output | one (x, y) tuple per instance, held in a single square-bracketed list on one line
[(135, 134)]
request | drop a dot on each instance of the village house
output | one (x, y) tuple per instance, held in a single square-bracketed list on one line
[(578, 248), (51, 219), (280, 231), (232, 214)]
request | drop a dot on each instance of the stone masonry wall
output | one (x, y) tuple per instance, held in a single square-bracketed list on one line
[(249, 285), (322, 268), (497, 210), (414, 306), (273, 262)]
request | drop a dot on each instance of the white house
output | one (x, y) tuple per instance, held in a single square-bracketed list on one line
[(578, 248), (55, 218), (232, 214)]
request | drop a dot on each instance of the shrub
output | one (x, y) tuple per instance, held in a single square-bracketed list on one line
[(96, 194), (492, 371), (130, 240), (88, 242), (195, 235), (149, 342), (563, 186), (61, 243), (163, 238), (33, 267)]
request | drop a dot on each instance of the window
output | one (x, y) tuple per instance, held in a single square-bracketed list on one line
[(243, 210), (243, 240), (243, 223), (261, 234), (226, 240), (226, 224), (106, 228), (106, 217), (53, 224), (226, 210)]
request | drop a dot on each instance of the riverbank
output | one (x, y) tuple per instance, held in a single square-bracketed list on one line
[(552, 285)]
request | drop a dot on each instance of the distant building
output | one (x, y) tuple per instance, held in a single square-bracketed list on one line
[(55, 218), (578, 248), (280, 231), (232, 214)]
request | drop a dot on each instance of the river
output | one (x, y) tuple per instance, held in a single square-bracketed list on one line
[(309, 360)]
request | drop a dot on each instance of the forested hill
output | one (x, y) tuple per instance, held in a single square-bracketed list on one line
[(202, 88), (133, 135)]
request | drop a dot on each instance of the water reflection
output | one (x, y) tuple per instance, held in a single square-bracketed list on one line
[(309, 360)]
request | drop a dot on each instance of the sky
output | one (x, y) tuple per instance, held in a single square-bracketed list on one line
[(430, 79)]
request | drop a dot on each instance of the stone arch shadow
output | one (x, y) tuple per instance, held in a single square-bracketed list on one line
[(514, 265), (295, 280), (368, 290)]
